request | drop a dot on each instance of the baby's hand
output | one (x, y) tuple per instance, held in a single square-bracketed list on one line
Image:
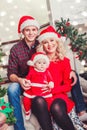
[(51, 84), (48, 87), (28, 83)]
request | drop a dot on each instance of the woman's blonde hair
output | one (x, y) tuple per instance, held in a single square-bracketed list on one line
[(60, 51)]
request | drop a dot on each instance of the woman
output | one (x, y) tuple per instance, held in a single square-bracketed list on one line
[(62, 107)]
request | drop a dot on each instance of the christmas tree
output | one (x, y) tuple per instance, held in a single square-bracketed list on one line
[(5, 107), (78, 42)]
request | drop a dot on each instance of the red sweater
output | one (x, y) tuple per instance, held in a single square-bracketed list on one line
[(60, 72), (38, 80)]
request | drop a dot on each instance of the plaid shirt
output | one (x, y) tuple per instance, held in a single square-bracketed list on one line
[(20, 53)]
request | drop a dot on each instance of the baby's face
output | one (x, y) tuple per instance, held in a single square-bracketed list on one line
[(41, 65)]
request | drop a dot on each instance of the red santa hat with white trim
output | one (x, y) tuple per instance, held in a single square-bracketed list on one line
[(37, 56), (48, 33), (27, 21)]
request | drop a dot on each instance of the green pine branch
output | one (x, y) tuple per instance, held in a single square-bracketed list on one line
[(78, 41), (3, 92), (5, 107)]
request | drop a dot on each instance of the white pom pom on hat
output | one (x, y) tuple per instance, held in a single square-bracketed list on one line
[(27, 21), (30, 62), (35, 57)]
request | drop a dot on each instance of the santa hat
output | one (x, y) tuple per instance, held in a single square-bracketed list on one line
[(47, 33), (35, 57), (27, 21)]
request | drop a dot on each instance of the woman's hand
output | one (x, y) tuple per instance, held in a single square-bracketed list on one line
[(46, 88), (25, 84), (74, 77)]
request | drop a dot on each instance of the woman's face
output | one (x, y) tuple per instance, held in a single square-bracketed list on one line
[(50, 45)]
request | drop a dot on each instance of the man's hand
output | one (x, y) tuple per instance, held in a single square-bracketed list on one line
[(46, 88), (25, 84), (74, 77)]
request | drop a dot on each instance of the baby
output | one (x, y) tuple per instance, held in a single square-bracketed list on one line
[(39, 77)]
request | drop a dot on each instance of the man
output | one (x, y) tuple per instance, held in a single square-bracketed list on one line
[(18, 68)]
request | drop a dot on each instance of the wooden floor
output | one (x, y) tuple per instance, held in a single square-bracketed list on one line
[(28, 126), (32, 124)]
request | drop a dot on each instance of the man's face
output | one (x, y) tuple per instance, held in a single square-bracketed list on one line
[(30, 33)]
